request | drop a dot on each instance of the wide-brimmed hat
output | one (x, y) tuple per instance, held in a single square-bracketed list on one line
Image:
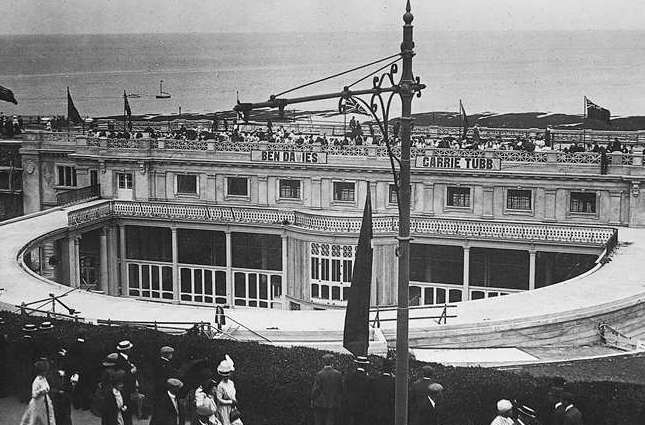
[(110, 360), (361, 360), (226, 366), (29, 327), (166, 350), (124, 345), (46, 326), (174, 383)]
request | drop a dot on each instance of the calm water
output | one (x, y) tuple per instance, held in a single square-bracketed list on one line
[(490, 71)]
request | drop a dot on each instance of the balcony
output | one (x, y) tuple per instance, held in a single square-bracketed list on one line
[(75, 196)]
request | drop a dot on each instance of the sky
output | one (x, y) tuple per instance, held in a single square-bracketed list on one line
[(181, 16)]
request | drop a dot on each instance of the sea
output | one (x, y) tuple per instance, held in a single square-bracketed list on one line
[(491, 71)]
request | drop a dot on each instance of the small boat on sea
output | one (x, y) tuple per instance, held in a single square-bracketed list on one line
[(162, 94), (134, 95)]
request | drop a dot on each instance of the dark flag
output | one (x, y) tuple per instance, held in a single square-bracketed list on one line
[(7, 95), (72, 112), (356, 333), (353, 107), (126, 111), (464, 120), (595, 112)]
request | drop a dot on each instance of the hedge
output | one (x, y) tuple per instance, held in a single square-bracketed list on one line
[(274, 383)]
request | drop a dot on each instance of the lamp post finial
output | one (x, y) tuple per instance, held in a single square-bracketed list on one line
[(408, 17)]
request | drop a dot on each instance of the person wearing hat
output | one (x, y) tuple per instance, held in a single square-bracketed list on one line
[(205, 404), (504, 413), (382, 395), (357, 391), (225, 392), (419, 392), (25, 356), (80, 360), (572, 416), (327, 392), (61, 389), (168, 410), (164, 369), (557, 413), (114, 408), (40, 410), (130, 381), (427, 411), (45, 342)]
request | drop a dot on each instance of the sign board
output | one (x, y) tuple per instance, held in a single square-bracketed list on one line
[(458, 163), (289, 157)]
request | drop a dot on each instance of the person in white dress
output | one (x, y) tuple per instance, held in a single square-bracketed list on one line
[(504, 413), (40, 410), (225, 393), (205, 404)]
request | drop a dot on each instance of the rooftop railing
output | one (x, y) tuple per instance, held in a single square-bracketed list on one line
[(382, 224)]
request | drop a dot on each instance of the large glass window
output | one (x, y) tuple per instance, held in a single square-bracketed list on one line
[(290, 189), (124, 180), (148, 243), (458, 196), (583, 202), (344, 191), (256, 251), (331, 272), (66, 176), (517, 199), (187, 184), (201, 247), (237, 186)]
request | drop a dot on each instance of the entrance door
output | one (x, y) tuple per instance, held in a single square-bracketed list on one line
[(124, 186)]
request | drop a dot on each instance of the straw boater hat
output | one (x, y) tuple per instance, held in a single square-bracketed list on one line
[(226, 366), (174, 383), (29, 327), (110, 360), (46, 326), (166, 350), (124, 345)]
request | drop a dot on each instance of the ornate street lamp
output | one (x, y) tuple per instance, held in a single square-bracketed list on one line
[(379, 107)]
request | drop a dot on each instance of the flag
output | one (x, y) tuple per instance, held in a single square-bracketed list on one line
[(464, 120), (595, 112), (7, 95), (72, 112), (356, 332), (126, 111), (353, 107)]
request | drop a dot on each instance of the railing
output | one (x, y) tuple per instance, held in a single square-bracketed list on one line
[(459, 228), (78, 195)]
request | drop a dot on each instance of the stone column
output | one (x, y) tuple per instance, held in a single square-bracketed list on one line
[(103, 261), (124, 266), (77, 261), (285, 269), (175, 270), (531, 269), (113, 262), (466, 261), (71, 261), (229, 269)]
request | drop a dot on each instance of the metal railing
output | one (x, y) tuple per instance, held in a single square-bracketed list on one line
[(78, 195)]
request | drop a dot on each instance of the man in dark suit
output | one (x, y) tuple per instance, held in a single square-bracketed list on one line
[(80, 365), (557, 414), (168, 410), (130, 380), (326, 393), (357, 389), (419, 391), (164, 369), (572, 416), (426, 408), (382, 396)]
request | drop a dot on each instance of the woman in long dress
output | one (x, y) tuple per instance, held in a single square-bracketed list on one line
[(225, 392), (205, 404), (40, 410)]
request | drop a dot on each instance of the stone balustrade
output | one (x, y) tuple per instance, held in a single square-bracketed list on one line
[(348, 225)]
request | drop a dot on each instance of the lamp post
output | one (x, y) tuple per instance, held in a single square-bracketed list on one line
[(407, 87)]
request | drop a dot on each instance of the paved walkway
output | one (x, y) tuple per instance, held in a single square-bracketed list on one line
[(619, 280)]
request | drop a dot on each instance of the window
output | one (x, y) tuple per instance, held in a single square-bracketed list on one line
[(124, 180), (344, 191), (237, 186), (458, 197), (66, 176), (94, 177), (289, 189), (393, 197), (331, 272), (4, 180), (187, 184), (583, 202), (518, 199)]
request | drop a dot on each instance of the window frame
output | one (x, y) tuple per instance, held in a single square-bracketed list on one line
[(299, 189), (73, 177), (521, 211), (118, 180), (596, 205), (236, 196), (189, 194), (343, 201), (459, 207)]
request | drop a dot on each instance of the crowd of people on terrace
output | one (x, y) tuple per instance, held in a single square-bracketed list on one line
[(355, 135)]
